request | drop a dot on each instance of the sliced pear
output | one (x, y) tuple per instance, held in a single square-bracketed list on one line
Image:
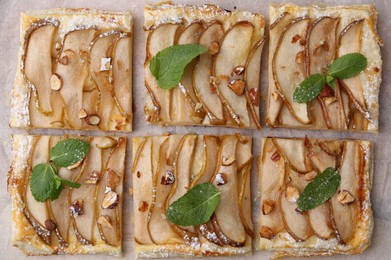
[(201, 74), (74, 73), (228, 224), (199, 160), (233, 53), (160, 38), (271, 182), (331, 147), (319, 159), (211, 144), (287, 73), (245, 200), (243, 154), (293, 150), (350, 42)]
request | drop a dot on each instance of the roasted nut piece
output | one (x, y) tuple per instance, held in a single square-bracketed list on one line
[(111, 200), (63, 60), (106, 142), (93, 179), (168, 179), (238, 71), (105, 64), (310, 175), (267, 207), (237, 86), (82, 113), (228, 161), (50, 225), (214, 48), (55, 82), (344, 197), (143, 206), (266, 232), (77, 207), (105, 221), (275, 156), (221, 179), (58, 46), (292, 194), (295, 38), (119, 119), (112, 178), (92, 119), (254, 96)]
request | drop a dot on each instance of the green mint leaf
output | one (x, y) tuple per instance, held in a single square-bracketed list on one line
[(309, 88), (169, 64), (348, 65), (56, 192), (68, 152), (330, 81), (42, 181), (71, 184), (195, 207), (319, 190)]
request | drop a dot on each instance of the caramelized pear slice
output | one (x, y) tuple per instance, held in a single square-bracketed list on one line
[(227, 215), (319, 159), (199, 160), (350, 42), (331, 147), (211, 145), (270, 182), (287, 72), (233, 54), (245, 200), (201, 74), (243, 154), (293, 150)]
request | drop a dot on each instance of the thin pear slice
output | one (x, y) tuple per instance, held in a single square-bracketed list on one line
[(287, 73), (243, 154), (350, 42), (245, 200), (345, 217), (142, 192), (227, 216), (293, 150), (199, 160), (158, 227), (270, 182), (319, 159), (274, 104), (211, 145), (334, 147), (201, 74), (159, 39), (74, 73), (233, 53)]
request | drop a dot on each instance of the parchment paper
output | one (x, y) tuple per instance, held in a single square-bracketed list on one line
[(9, 44)]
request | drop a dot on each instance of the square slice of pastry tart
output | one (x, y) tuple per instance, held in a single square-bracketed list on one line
[(202, 65), (176, 182), (67, 194), (74, 70), (324, 67), (315, 196)]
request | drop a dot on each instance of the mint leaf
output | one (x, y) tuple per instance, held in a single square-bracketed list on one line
[(319, 190), (330, 81), (68, 152), (169, 64), (348, 65), (195, 207), (309, 88), (42, 181), (71, 184), (56, 192)]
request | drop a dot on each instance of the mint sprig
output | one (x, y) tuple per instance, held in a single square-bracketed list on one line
[(195, 207), (44, 181), (168, 65), (344, 67)]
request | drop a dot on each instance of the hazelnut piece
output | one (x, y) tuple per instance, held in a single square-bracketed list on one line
[(221, 179), (82, 113), (93, 179), (77, 207), (237, 86), (168, 179), (50, 225), (143, 206), (275, 156), (344, 197), (63, 60), (292, 194), (55, 82), (111, 200), (238, 71), (267, 207)]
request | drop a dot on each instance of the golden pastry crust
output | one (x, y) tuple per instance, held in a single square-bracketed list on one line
[(331, 229), (354, 103), (28, 216), (54, 42), (205, 95), (180, 162)]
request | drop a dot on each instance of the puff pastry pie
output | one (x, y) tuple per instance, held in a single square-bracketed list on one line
[(221, 86), (304, 41), (165, 167), (74, 70), (342, 225), (82, 222)]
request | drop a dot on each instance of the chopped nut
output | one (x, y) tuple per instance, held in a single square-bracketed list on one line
[(119, 119), (295, 38), (77, 207), (237, 86), (143, 206), (55, 82), (228, 161), (329, 100), (221, 179), (310, 175), (74, 166), (214, 48), (275, 156), (168, 179), (238, 71), (105, 221), (50, 225), (58, 46), (106, 142), (267, 207), (82, 113), (92, 119), (110, 201), (275, 95), (113, 179), (300, 56), (344, 197), (198, 106), (266, 232), (292, 194), (93, 179), (105, 64), (63, 60), (326, 92)]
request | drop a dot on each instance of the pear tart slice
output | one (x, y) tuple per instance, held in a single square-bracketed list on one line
[(304, 41), (343, 224), (74, 70), (221, 86), (86, 220), (165, 168)]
